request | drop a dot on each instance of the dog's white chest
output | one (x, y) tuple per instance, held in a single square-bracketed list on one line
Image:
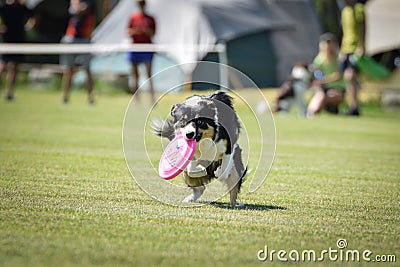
[(208, 150)]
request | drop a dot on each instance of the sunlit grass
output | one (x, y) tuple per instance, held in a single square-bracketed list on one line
[(67, 198)]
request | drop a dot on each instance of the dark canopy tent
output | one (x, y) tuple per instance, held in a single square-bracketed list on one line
[(264, 38)]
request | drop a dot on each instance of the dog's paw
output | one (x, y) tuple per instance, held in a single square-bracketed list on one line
[(190, 198), (218, 172), (221, 174), (239, 205)]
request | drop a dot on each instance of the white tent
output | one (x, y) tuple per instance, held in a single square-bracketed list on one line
[(382, 22), (264, 37)]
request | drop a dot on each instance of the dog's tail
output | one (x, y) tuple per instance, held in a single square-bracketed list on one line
[(163, 128)]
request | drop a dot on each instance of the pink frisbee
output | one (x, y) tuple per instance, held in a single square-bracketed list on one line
[(177, 155)]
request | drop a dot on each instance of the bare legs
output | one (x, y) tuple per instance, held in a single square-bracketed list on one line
[(352, 87), (135, 74), (89, 86), (11, 77), (67, 84), (316, 103), (331, 99), (148, 71)]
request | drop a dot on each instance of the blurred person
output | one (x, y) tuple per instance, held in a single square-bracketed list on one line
[(16, 19), (141, 28), (79, 31), (292, 91), (353, 41), (328, 82)]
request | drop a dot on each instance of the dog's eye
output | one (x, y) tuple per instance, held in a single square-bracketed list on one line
[(200, 122)]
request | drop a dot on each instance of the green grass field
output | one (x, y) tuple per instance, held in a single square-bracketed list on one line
[(67, 197)]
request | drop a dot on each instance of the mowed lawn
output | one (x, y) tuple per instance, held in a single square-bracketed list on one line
[(68, 199)]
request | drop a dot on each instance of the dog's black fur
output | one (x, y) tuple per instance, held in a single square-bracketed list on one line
[(208, 117)]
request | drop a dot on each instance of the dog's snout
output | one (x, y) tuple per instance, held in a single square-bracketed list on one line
[(190, 135), (189, 131)]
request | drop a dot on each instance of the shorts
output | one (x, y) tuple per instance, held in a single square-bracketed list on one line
[(139, 57), (346, 62), (12, 58), (18, 58), (74, 60), (327, 88)]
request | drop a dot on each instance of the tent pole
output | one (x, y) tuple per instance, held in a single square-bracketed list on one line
[(187, 86), (223, 67)]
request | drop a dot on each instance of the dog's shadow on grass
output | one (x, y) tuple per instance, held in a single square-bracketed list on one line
[(223, 205)]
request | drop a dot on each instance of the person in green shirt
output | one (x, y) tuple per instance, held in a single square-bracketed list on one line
[(353, 41), (328, 82)]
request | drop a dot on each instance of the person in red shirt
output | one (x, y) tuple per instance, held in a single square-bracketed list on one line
[(141, 28), (79, 30)]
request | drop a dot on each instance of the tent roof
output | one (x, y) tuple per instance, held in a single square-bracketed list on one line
[(234, 18), (202, 22), (382, 22)]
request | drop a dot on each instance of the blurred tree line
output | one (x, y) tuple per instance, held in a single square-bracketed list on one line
[(329, 15)]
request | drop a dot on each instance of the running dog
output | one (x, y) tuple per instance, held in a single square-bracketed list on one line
[(212, 121)]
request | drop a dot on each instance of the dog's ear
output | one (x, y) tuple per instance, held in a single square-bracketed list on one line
[(174, 108)]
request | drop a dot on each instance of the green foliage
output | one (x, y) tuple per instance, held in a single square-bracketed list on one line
[(328, 13)]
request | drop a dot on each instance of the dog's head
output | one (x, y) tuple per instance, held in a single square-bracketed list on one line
[(196, 118)]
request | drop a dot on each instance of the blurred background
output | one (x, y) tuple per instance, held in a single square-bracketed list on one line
[(263, 38)]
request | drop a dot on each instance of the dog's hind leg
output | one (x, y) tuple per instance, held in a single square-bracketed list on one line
[(233, 195), (197, 192), (233, 184)]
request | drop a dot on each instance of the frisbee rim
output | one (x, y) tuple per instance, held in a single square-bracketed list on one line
[(173, 171)]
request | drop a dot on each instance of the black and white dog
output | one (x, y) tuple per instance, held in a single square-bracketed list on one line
[(213, 122)]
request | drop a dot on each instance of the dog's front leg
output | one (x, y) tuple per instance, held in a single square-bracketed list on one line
[(224, 170), (195, 169), (197, 192)]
